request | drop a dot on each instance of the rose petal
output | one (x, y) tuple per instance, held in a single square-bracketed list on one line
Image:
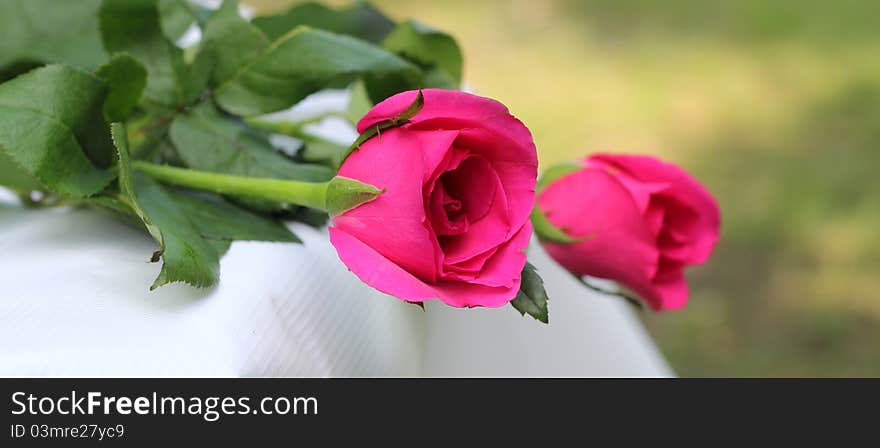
[(654, 217), (401, 208), (468, 269), (515, 164), (668, 292), (458, 106), (681, 221), (505, 266), (386, 276), (593, 204), (449, 162), (377, 271), (462, 294), (642, 192), (474, 183), (488, 232), (673, 250), (440, 205), (682, 187), (487, 127)]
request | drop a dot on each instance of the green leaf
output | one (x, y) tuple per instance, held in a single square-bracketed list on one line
[(310, 216), (434, 51), (207, 141), (13, 176), (116, 208), (532, 298), (134, 26), (148, 135), (304, 61), (126, 79), (186, 255), (217, 219), (323, 151), (50, 31), (177, 16), (360, 20), (193, 229), (230, 42), (254, 76), (359, 103), (221, 246), (16, 69), (45, 117)]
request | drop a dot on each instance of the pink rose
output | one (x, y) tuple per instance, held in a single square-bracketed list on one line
[(453, 222), (643, 221)]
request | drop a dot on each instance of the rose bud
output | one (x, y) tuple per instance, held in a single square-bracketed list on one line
[(632, 219), (453, 221)]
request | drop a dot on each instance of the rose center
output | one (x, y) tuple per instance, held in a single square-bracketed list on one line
[(462, 196), (451, 205), (448, 216)]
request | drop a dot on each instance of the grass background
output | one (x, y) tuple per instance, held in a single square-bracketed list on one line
[(774, 105)]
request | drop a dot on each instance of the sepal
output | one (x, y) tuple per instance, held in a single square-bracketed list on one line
[(344, 194)]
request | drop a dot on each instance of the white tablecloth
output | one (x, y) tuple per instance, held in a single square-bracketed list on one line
[(75, 301)]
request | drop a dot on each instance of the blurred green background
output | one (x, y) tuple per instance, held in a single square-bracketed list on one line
[(773, 104)]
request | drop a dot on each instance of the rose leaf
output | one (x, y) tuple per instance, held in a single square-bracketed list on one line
[(193, 229), (36, 32), (359, 20), (436, 52), (47, 117), (135, 27), (126, 79), (253, 77), (217, 219), (186, 255), (208, 141), (532, 298)]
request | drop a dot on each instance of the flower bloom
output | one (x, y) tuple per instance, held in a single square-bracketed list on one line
[(453, 222), (641, 221)]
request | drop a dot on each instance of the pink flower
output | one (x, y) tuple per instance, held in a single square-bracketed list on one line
[(453, 222), (643, 220)]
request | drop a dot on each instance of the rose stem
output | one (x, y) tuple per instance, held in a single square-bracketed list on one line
[(306, 194)]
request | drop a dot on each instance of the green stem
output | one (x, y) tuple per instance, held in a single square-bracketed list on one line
[(630, 299), (334, 196), (306, 194), (291, 128)]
